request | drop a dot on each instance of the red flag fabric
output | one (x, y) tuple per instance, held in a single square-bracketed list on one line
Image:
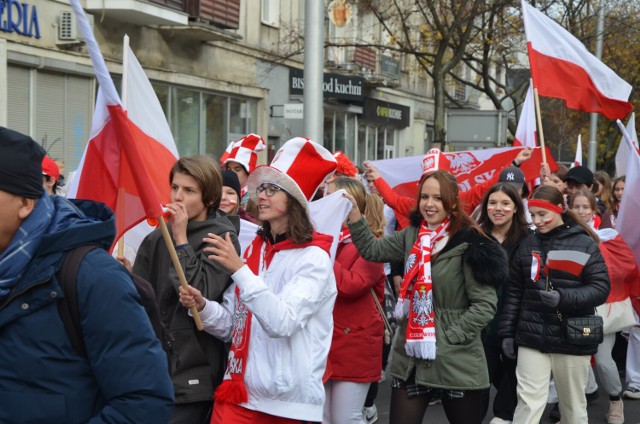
[(622, 266), (562, 67), (124, 165)]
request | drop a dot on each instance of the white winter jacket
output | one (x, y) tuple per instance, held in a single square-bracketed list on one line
[(292, 305)]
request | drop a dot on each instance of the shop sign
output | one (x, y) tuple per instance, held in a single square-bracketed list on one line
[(389, 67), (20, 18), (294, 111), (385, 113), (336, 86)]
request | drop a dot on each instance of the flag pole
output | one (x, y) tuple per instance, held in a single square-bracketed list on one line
[(125, 76), (539, 118), (178, 267)]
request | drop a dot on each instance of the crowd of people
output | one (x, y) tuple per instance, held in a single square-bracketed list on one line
[(456, 290)]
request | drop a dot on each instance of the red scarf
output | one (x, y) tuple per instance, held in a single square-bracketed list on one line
[(345, 236), (421, 325), (258, 257)]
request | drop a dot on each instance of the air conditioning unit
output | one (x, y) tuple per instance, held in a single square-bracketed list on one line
[(67, 28)]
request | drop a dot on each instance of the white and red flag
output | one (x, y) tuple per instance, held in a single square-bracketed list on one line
[(578, 159), (470, 167), (624, 150), (571, 261), (562, 67), (526, 134), (627, 221), (127, 161)]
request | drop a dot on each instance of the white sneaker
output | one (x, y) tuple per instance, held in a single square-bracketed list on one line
[(370, 414), (632, 393), (615, 415), (498, 420)]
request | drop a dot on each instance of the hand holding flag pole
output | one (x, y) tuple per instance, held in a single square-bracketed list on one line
[(178, 267)]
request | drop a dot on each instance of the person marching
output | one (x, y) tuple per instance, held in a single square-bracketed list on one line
[(241, 157), (447, 297), (278, 311)]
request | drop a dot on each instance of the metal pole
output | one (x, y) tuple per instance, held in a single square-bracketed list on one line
[(593, 126), (313, 70)]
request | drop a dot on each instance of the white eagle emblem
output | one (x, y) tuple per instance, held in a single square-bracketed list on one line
[(239, 321), (422, 305), (410, 261)]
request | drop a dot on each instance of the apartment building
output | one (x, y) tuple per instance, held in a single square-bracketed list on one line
[(221, 69)]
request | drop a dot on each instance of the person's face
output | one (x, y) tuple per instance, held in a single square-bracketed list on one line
[(273, 205), (330, 187), (582, 207), (13, 210), (372, 187), (229, 200), (618, 190), (239, 170), (572, 187), (185, 190), (431, 207), (500, 209), (544, 219), (558, 183)]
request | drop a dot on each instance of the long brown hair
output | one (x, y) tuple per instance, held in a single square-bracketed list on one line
[(207, 174), (450, 201), (605, 181), (300, 228), (614, 205), (518, 228), (553, 196), (369, 205)]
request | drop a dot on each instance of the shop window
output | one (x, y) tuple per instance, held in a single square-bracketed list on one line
[(185, 121), (215, 136), (361, 152)]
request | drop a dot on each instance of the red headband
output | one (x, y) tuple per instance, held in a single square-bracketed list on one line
[(545, 205)]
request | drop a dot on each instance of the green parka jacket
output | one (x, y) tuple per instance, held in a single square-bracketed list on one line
[(465, 275)]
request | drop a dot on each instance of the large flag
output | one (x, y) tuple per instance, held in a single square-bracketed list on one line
[(627, 224), (578, 159), (562, 67), (128, 158), (624, 151), (469, 167), (526, 134)]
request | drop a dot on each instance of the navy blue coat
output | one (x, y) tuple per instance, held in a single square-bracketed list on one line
[(123, 379)]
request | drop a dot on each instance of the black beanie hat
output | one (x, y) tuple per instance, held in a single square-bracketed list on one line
[(20, 164), (230, 179)]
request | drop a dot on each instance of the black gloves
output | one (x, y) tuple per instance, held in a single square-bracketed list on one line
[(550, 298), (508, 348)]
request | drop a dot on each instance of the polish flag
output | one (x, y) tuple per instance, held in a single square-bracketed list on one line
[(127, 161), (621, 264), (627, 222), (571, 261), (469, 167), (624, 151), (562, 67), (578, 160)]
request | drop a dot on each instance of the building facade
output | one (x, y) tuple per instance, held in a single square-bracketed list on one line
[(221, 69)]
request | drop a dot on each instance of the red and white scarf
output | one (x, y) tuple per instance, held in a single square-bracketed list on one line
[(421, 324), (345, 236), (595, 222), (258, 257)]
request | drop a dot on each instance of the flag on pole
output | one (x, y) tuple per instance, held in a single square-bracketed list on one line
[(627, 224), (469, 167), (126, 163), (624, 151), (562, 67), (526, 134), (578, 159)]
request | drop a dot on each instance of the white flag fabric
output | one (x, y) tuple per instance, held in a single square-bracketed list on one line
[(627, 222), (624, 151), (526, 134), (578, 159)]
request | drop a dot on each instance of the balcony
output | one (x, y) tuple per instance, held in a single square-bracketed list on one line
[(354, 58), (220, 13), (139, 12)]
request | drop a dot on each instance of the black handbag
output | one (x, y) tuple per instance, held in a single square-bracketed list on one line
[(585, 330)]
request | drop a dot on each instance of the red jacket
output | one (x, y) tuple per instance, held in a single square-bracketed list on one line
[(358, 330)]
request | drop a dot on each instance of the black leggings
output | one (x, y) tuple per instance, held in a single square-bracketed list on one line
[(465, 410)]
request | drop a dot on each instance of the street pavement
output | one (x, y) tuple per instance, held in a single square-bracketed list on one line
[(435, 413)]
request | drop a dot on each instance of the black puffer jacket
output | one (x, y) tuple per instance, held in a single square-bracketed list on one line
[(525, 317)]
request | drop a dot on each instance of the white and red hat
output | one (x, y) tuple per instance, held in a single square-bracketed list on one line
[(434, 161), (244, 151), (299, 167)]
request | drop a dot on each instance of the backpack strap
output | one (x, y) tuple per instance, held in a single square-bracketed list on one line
[(68, 305)]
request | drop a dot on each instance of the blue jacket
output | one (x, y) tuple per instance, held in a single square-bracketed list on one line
[(123, 379)]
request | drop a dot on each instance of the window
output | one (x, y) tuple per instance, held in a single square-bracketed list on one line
[(271, 13)]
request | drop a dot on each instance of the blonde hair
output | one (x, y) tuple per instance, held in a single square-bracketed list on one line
[(369, 205)]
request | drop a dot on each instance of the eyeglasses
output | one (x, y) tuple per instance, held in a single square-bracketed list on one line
[(269, 190)]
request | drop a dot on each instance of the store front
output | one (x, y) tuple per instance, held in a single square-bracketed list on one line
[(379, 129)]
